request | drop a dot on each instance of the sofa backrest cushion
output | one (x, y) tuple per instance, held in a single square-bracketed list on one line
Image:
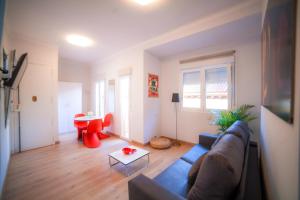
[(220, 172), (241, 130), (217, 140), (242, 124)]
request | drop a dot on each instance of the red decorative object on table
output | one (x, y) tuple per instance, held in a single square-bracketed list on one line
[(128, 150)]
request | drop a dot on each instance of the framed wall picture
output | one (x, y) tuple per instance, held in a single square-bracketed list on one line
[(153, 85), (278, 58)]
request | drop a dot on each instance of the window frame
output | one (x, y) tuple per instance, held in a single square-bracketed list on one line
[(201, 68), (188, 70)]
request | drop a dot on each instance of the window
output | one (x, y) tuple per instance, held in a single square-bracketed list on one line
[(191, 90), (100, 98), (216, 84), (207, 88)]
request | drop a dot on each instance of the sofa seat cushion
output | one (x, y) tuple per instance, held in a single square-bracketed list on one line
[(194, 154), (220, 171), (175, 177)]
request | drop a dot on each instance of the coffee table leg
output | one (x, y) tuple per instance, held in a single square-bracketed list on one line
[(127, 171), (126, 168), (109, 161)]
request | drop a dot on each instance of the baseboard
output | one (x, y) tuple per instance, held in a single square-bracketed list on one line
[(113, 134), (181, 141), (130, 141), (172, 139), (37, 148), (139, 143)]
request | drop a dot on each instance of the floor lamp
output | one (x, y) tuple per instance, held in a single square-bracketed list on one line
[(175, 99)]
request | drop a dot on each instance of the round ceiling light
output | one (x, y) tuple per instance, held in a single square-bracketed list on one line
[(79, 40), (144, 2)]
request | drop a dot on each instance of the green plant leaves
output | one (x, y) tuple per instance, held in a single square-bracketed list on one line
[(225, 118)]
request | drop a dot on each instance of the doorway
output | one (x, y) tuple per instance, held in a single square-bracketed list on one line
[(69, 104), (124, 83)]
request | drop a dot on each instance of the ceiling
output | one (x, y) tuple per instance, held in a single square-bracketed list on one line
[(233, 33), (113, 24)]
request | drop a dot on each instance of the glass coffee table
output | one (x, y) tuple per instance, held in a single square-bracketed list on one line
[(120, 157)]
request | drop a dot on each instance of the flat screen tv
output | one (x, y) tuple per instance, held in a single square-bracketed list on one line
[(17, 73), (2, 9), (278, 58)]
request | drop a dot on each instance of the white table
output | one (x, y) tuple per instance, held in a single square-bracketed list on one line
[(87, 118), (120, 157)]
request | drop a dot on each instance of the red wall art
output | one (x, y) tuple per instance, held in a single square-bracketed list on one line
[(152, 85)]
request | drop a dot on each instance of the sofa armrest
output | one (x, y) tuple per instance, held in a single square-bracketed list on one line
[(142, 187), (207, 139), (253, 189)]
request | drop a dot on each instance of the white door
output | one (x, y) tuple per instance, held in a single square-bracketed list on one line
[(124, 100), (36, 98), (69, 104)]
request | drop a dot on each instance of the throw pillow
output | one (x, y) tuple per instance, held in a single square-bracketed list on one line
[(220, 171), (194, 171)]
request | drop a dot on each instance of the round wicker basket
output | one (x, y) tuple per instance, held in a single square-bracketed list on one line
[(160, 143)]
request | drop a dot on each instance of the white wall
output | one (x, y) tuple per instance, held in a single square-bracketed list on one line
[(4, 131), (69, 104), (144, 111), (133, 58), (129, 62), (4, 144), (151, 104), (191, 123), (73, 71), (280, 144)]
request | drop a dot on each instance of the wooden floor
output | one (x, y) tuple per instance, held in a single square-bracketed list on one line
[(71, 171)]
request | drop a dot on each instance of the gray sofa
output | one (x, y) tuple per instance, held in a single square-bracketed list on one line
[(228, 169)]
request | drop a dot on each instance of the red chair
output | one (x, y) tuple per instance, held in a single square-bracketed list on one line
[(106, 123), (107, 120), (80, 125), (90, 136)]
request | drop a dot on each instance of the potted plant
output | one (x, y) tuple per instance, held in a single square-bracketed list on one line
[(225, 118)]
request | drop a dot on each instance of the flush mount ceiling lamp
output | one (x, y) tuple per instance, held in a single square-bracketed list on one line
[(79, 40), (144, 2)]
